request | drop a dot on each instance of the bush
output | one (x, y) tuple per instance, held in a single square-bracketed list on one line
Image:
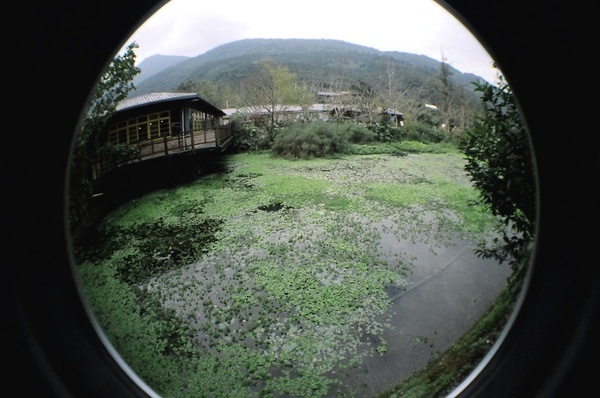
[(315, 139), (500, 164), (358, 134), (247, 137), (423, 132), (116, 154), (387, 133)]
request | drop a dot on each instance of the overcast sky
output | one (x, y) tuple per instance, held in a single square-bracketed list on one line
[(192, 27)]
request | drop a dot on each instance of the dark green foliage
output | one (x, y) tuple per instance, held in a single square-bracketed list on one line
[(423, 132), (359, 134), (321, 139), (162, 247), (413, 131), (113, 87), (154, 247), (118, 154), (247, 137), (311, 140), (386, 132), (500, 163)]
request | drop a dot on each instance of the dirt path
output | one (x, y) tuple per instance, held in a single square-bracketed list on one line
[(448, 293)]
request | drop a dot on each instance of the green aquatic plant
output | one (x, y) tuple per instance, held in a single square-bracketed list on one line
[(274, 274)]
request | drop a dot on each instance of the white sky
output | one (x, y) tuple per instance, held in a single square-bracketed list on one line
[(192, 27)]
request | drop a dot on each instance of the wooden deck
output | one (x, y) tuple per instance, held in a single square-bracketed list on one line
[(205, 140)]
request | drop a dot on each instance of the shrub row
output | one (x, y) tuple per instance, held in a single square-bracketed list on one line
[(320, 138)]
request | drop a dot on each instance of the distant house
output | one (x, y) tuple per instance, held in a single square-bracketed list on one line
[(283, 113), (325, 112), (332, 96), (162, 124), (392, 116)]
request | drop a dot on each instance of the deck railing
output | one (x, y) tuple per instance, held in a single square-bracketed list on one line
[(200, 140)]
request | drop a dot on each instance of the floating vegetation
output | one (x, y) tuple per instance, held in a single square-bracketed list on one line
[(276, 280)]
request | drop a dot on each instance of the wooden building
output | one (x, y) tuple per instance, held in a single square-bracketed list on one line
[(163, 124)]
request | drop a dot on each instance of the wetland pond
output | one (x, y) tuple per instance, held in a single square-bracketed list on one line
[(311, 278)]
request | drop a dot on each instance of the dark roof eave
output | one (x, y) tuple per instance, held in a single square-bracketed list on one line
[(210, 106)]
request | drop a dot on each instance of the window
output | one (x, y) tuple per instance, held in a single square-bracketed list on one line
[(141, 128), (201, 120)]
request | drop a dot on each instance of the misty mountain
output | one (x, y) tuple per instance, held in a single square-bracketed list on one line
[(321, 64), (156, 63)]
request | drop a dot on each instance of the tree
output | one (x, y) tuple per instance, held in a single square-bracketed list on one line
[(366, 100), (453, 105), (393, 98), (447, 90), (269, 91), (112, 87), (500, 164)]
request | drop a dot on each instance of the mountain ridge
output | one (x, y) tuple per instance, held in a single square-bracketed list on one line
[(320, 63), (156, 63)]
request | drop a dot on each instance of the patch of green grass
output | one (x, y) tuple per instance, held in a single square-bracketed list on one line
[(464, 202), (293, 190), (403, 196), (401, 148)]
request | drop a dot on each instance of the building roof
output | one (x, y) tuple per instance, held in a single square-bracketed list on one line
[(153, 98), (281, 109), (298, 109), (332, 94)]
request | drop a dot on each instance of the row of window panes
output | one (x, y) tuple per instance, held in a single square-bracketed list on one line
[(146, 127), (201, 120)]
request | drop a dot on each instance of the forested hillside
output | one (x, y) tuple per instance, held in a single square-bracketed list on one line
[(156, 63), (402, 80)]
